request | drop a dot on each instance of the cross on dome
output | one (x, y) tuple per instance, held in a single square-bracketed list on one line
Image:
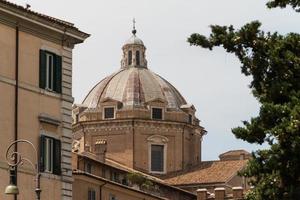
[(133, 30)]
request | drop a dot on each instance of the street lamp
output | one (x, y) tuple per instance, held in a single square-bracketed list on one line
[(14, 159)]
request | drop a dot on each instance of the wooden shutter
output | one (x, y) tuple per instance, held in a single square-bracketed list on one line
[(42, 81), (57, 73), (42, 154), (56, 157)]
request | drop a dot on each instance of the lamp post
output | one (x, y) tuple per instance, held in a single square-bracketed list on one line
[(14, 159)]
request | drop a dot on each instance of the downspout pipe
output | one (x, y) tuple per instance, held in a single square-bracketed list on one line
[(16, 99)]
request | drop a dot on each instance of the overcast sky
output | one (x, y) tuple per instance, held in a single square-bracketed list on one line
[(211, 80)]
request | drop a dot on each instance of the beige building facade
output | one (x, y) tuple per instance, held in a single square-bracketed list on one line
[(36, 98)]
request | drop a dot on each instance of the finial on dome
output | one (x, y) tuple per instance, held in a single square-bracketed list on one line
[(134, 30)]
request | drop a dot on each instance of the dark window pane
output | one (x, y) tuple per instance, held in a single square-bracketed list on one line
[(88, 168), (91, 194), (137, 57), (109, 113), (156, 113), (129, 57), (190, 119), (157, 158)]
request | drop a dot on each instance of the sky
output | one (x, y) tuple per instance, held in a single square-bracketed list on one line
[(210, 80)]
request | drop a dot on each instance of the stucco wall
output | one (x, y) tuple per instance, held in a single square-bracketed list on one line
[(82, 184), (33, 101)]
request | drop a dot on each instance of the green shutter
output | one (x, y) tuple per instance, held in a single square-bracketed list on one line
[(42, 83), (57, 73), (42, 154), (56, 157)]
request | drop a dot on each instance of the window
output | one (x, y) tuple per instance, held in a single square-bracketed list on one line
[(77, 118), (157, 113), (112, 197), (190, 118), (109, 113), (124, 181), (137, 57), (114, 176), (50, 155), (103, 173), (50, 71), (129, 57), (91, 194), (157, 158), (88, 168)]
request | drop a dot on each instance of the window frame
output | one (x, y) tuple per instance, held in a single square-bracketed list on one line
[(129, 57), (137, 57), (164, 157), (162, 112), (54, 161), (88, 167), (112, 197), (103, 112), (50, 71), (92, 194), (190, 118), (48, 162)]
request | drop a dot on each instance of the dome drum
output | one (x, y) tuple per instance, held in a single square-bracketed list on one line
[(143, 113)]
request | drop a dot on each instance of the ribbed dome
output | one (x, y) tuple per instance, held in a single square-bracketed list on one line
[(134, 87), (134, 40)]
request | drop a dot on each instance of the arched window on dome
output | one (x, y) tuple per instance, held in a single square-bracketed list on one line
[(129, 57), (137, 57)]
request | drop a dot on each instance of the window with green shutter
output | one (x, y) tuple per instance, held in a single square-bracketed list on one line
[(50, 155), (50, 71)]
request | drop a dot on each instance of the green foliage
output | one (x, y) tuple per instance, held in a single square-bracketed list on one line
[(273, 62), (283, 3), (140, 180), (136, 178)]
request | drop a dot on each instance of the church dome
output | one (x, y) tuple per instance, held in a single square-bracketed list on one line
[(134, 40), (135, 87)]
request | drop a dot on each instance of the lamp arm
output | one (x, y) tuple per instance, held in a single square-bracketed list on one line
[(16, 158)]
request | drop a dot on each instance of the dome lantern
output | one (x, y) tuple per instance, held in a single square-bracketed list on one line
[(134, 52)]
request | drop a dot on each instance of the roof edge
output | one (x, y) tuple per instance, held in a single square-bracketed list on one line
[(46, 21)]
